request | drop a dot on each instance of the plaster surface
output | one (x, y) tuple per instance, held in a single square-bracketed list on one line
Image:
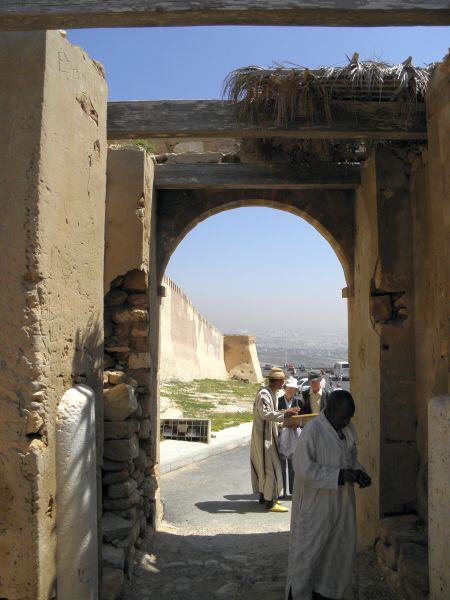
[(76, 498), (53, 156)]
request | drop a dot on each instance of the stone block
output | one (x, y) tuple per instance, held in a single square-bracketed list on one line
[(121, 503), (121, 315), (142, 376), (115, 527), (122, 490), (119, 402), (118, 430), (145, 429), (122, 450), (115, 297), (413, 566), (140, 344), (112, 465), (139, 360), (34, 422), (113, 557), (112, 581), (138, 300), (139, 330), (131, 538), (115, 477), (139, 315), (141, 460), (127, 513), (116, 377), (136, 281)]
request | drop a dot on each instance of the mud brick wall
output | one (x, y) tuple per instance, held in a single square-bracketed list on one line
[(129, 479)]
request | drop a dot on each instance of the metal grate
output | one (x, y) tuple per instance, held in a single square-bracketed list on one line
[(188, 430)]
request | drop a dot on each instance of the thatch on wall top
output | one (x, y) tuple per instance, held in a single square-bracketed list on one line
[(285, 95)]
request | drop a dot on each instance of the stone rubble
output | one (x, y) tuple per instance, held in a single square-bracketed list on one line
[(129, 480)]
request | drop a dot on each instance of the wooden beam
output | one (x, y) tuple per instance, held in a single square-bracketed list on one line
[(247, 177), (213, 118), (26, 15)]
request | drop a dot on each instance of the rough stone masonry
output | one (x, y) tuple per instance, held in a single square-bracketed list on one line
[(129, 480)]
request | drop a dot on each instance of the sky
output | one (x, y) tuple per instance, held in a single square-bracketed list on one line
[(225, 263)]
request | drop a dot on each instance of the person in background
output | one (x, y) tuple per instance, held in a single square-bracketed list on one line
[(315, 397), (322, 545), (264, 454), (288, 435)]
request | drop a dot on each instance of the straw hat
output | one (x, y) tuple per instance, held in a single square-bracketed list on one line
[(276, 373)]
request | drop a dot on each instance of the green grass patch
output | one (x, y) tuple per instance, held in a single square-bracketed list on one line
[(193, 398), (223, 420)]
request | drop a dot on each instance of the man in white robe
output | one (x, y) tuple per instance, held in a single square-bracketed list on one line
[(322, 544), (265, 462)]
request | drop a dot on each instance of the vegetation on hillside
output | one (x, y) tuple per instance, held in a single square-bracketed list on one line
[(227, 403)]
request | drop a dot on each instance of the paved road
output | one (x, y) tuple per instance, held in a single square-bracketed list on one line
[(217, 542), (216, 495)]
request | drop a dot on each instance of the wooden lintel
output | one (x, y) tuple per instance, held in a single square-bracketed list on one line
[(247, 176), (23, 15), (215, 118)]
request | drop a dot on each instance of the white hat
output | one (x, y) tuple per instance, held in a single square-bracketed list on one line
[(291, 383)]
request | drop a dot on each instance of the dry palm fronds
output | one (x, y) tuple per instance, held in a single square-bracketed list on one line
[(284, 94)]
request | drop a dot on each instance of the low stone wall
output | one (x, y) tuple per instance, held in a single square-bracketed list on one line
[(129, 478), (191, 348)]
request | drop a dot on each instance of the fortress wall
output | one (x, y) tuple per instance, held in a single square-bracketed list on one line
[(191, 348), (241, 357), (130, 465)]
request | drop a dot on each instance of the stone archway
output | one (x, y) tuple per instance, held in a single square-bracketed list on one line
[(330, 212)]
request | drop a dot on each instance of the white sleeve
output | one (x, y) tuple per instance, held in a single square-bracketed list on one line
[(308, 470)]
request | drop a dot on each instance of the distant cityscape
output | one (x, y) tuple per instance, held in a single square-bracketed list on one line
[(299, 347)]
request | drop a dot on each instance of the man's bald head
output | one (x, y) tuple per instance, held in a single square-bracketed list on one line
[(340, 408)]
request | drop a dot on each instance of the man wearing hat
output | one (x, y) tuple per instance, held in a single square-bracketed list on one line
[(264, 455), (288, 436), (314, 398)]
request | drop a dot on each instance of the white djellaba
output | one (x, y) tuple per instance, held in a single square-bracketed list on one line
[(322, 545)]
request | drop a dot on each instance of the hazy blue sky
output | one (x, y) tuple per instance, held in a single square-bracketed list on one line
[(225, 263)]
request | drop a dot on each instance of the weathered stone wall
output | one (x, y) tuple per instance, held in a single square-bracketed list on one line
[(190, 347), (434, 275), (53, 156), (129, 481), (241, 357), (130, 471), (381, 331), (364, 354), (127, 213)]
